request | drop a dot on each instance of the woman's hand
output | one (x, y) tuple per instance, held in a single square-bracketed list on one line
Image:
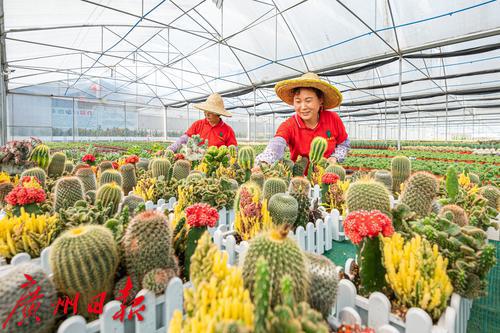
[(332, 160)]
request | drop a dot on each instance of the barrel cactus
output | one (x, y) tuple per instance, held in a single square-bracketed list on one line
[(368, 195), (258, 178), (39, 173), (160, 167), (273, 186), (88, 178), (5, 189), (299, 168), (419, 193), (181, 169), (132, 201), (492, 194), (68, 167), (324, 280), (105, 165), (129, 179), (56, 164), (459, 215), (283, 209), (384, 177), (157, 279), (401, 170), (336, 169), (110, 195), (110, 176), (68, 190), (84, 260)]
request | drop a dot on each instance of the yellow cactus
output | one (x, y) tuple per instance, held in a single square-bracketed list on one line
[(28, 233), (463, 180), (216, 298), (416, 272), (202, 167), (4, 177), (145, 188)]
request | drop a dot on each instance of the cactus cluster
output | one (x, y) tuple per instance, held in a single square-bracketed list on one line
[(84, 213), (469, 255), (401, 171), (11, 293), (419, 193), (416, 272), (73, 262)]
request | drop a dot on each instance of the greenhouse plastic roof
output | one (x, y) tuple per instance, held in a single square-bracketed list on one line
[(170, 53)]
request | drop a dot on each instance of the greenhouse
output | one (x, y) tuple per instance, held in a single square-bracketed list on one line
[(250, 166)]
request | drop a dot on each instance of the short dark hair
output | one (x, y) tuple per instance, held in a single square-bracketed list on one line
[(318, 92)]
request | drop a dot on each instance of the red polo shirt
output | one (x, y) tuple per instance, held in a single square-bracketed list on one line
[(299, 137), (218, 135)]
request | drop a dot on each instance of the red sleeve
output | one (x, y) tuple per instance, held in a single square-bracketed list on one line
[(231, 139), (193, 129), (340, 133), (284, 130)]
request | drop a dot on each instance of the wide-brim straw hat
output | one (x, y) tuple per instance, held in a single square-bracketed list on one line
[(331, 95), (214, 104)]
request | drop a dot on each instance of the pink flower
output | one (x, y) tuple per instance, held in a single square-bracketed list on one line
[(361, 224), (201, 215), (329, 178)]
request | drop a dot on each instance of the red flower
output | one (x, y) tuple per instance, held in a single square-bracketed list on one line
[(201, 215), (329, 178), (20, 196), (179, 156), (115, 165), (132, 159), (89, 158), (361, 224)]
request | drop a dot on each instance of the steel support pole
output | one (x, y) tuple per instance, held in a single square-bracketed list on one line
[(399, 101), (446, 119), (165, 128), (254, 115)]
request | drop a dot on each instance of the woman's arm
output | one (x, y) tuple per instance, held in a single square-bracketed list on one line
[(274, 151), (341, 150), (178, 143)]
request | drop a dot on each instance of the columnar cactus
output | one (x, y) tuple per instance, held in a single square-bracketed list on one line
[(84, 260), (68, 190), (368, 195), (283, 209), (324, 280), (384, 177), (110, 176), (88, 178), (40, 155), (110, 195), (474, 178), (11, 293), (160, 167), (401, 170), (316, 151), (336, 169), (299, 168), (56, 165), (299, 189), (129, 179), (287, 258), (181, 169), (451, 182), (273, 186), (419, 193), (246, 157), (39, 173)]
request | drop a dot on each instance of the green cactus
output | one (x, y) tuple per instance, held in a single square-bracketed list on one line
[(192, 237), (68, 167), (160, 167), (288, 163), (157, 279), (39, 173), (273, 186), (368, 195), (90, 196), (68, 190), (110, 195), (316, 151), (458, 214), (11, 293), (336, 169), (40, 155), (84, 260), (233, 151), (299, 189), (384, 177), (287, 258), (80, 166), (110, 176), (147, 244), (401, 170), (262, 287), (324, 280), (132, 201), (105, 165), (181, 169), (5, 189), (451, 182), (246, 158), (258, 178), (474, 178), (371, 270), (129, 178), (88, 179), (283, 209), (419, 193), (299, 168), (56, 165), (143, 164), (492, 194)]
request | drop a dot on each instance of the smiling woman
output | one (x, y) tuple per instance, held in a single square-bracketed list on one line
[(310, 97)]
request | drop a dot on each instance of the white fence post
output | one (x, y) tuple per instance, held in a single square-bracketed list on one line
[(310, 235), (418, 321), (75, 324), (379, 308), (320, 237), (173, 298), (328, 233), (148, 324), (106, 321)]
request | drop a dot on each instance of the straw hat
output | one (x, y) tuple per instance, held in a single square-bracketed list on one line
[(214, 104), (331, 95)]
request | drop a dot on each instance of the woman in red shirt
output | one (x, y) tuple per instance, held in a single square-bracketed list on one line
[(211, 128), (311, 97)]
